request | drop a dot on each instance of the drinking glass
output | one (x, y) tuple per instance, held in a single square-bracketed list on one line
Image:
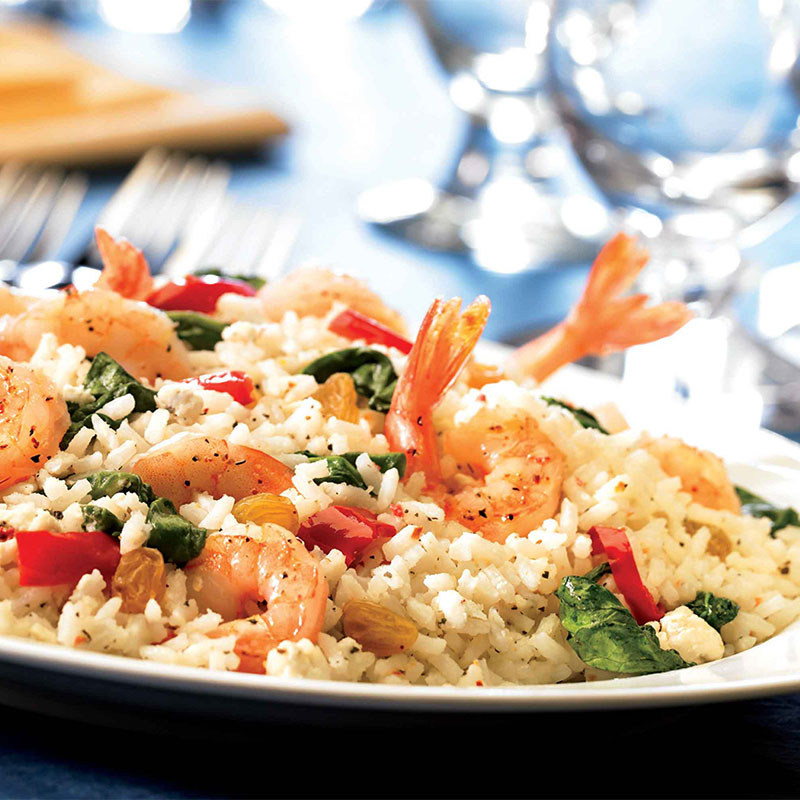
[(685, 115), (511, 198)]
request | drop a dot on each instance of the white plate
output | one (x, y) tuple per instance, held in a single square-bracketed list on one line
[(766, 463)]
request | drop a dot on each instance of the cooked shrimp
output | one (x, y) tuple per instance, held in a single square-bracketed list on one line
[(703, 475), (312, 291), (445, 341), (33, 418), (139, 337), (194, 463), (602, 321), (11, 302), (269, 589), (509, 474), (125, 270)]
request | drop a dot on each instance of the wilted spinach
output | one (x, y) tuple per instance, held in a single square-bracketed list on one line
[(107, 483), (757, 506), (716, 611), (178, 540), (584, 417), (372, 372), (96, 518), (604, 633), (106, 381), (342, 469), (197, 331)]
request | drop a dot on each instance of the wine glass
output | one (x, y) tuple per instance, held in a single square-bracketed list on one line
[(511, 199), (685, 115)]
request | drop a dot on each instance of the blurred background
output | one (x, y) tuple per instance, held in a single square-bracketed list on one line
[(432, 147)]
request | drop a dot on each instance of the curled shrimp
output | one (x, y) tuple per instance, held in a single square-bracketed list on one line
[(139, 337), (703, 474), (269, 590), (602, 321), (444, 342), (33, 418), (125, 269), (508, 474), (191, 463), (312, 291)]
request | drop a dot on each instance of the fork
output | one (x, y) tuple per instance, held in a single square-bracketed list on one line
[(158, 200), (238, 239), (37, 208)]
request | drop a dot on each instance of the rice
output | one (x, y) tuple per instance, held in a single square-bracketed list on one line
[(485, 612)]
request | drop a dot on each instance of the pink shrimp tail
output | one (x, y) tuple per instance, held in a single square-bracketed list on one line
[(125, 269), (602, 322), (445, 341)]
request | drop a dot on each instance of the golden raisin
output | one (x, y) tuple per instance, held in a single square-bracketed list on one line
[(263, 508), (718, 545), (338, 397), (377, 629), (140, 576)]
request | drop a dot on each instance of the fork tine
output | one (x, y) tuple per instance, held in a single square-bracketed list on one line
[(57, 226), (273, 261), (33, 212), (132, 192), (160, 197)]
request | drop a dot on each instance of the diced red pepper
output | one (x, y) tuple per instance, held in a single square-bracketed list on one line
[(197, 294), (354, 325), (48, 558), (616, 545), (233, 382), (356, 532)]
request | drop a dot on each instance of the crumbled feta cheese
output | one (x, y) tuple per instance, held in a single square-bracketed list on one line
[(693, 638), (184, 402)]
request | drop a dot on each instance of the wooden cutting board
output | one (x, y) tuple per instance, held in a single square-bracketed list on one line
[(58, 107)]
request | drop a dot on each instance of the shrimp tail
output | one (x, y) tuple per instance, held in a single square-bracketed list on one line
[(445, 341), (125, 269), (602, 321)]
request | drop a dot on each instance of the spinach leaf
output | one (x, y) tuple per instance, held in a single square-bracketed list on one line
[(343, 469), (253, 280), (757, 506), (584, 417), (716, 611), (372, 372), (604, 633), (107, 483), (197, 331), (598, 572), (106, 380), (178, 540), (96, 518)]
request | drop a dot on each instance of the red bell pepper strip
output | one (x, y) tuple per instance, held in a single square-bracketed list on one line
[(356, 532), (233, 382), (197, 294), (616, 545), (353, 325), (47, 558)]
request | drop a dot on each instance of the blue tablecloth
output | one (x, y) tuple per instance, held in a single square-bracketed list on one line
[(367, 103)]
